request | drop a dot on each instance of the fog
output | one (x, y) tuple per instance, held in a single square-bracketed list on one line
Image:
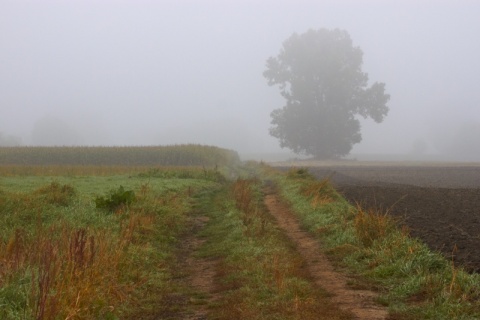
[(143, 72)]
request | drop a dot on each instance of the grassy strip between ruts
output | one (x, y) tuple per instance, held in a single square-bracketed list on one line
[(62, 258), (414, 282), (260, 274)]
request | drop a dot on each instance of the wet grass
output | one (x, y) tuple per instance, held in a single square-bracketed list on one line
[(414, 282), (61, 257), (260, 274)]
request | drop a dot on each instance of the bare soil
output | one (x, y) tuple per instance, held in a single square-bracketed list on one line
[(358, 302), (440, 203)]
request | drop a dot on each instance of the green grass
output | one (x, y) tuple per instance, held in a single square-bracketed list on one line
[(261, 274), (61, 257), (414, 282)]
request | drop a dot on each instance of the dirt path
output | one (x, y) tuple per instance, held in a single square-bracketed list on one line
[(199, 273), (359, 302)]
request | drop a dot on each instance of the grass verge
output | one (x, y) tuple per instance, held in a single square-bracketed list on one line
[(414, 282)]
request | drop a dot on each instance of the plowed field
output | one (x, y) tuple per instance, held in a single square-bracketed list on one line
[(440, 203)]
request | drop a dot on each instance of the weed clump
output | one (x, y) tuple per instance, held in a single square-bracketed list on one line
[(300, 173), (57, 194), (371, 226), (319, 192), (115, 199)]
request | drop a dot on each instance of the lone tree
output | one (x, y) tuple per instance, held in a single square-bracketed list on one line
[(319, 74)]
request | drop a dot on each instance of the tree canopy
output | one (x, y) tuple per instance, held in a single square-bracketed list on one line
[(319, 74)]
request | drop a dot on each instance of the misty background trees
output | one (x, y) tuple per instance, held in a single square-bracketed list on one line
[(8, 140), (170, 72), (319, 75), (51, 131), (459, 140)]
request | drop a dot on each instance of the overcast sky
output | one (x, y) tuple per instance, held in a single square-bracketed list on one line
[(163, 72)]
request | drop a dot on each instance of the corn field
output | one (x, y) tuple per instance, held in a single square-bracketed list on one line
[(174, 155)]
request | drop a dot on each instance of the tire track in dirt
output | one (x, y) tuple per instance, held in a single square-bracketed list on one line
[(359, 302), (199, 273)]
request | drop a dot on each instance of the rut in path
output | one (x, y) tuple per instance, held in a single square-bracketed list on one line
[(199, 272), (359, 302)]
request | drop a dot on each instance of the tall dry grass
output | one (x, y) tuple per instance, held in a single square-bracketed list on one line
[(73, 274), (371, 225), (54, 264), (319, 192)]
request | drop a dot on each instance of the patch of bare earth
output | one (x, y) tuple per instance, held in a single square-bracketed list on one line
[(361, 303), (198, 273)]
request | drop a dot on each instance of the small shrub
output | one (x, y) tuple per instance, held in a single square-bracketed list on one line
[(115, 199)]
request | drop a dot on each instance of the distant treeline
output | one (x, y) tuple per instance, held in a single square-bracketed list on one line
[(175, 155)]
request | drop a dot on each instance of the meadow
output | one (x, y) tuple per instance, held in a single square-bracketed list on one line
[(89, 233), (138, 241), (64, 256)]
